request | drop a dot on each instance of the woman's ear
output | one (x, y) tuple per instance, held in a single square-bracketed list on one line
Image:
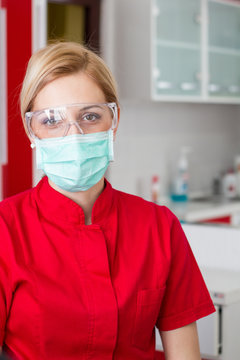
[(115, 129)]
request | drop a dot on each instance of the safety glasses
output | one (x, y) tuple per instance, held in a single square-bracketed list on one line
[(86, 118)]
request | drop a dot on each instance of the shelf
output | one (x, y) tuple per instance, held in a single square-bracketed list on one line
[(233, 3), (223, 51), (178, 45), (196, 99)]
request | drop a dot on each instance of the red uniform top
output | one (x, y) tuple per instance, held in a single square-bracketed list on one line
[(75, 291)]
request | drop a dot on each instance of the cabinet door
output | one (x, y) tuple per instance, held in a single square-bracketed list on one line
[(209, 333), (176, 48), (224, 48), (178, 20)]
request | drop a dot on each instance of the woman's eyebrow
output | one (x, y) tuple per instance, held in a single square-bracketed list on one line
[(66, 106), (91, 106)]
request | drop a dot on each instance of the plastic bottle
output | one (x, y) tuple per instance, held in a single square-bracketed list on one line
[(230, 184), (237, 169), (155, 189), (181, 181)]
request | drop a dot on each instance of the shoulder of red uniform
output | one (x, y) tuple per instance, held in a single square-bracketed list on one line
[(14, 202), (137, 203)]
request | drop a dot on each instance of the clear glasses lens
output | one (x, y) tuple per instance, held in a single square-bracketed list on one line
[(85, 118)]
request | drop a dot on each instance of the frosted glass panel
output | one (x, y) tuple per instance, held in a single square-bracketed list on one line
[(178, 20), (224, 75), (177, 71), (224, 25)]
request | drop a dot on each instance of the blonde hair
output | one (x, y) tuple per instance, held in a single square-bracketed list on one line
[(62, 59)]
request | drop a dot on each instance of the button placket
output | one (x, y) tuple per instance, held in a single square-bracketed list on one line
[(103, 299)]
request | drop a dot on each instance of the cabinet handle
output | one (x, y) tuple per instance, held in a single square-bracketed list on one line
[(197, 18), (156, 11), (164, 85), (198, 76), (156, 73)]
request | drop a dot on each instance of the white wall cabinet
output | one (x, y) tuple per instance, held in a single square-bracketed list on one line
[(224, 49), (219, 332), (178, 50)]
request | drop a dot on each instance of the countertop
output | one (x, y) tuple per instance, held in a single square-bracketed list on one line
[(198, 211), (223, 285)]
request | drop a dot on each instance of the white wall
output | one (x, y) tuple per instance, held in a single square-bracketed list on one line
[(151, 134)]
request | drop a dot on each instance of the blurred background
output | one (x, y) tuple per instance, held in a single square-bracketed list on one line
[(177, 65), (178, 73)]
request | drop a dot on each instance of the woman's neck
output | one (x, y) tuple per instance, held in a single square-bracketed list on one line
[(85, 199)]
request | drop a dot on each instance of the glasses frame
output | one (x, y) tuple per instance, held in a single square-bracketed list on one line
[(112, 105)]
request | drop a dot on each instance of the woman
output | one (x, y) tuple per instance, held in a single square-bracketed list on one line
[(86, 271)]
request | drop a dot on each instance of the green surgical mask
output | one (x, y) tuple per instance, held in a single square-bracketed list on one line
[(75, 162)]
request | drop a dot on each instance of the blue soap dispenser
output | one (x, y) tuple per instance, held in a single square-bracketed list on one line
[(180, 182)]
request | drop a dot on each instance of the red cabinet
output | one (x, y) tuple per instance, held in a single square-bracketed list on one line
[(17, 170)]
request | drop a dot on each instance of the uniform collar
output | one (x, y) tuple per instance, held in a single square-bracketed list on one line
[(53, 204)]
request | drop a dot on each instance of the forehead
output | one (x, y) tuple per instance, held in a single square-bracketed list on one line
[(70, 89)]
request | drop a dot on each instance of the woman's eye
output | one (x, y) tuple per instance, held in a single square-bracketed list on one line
[(91, 117), (50, 122)]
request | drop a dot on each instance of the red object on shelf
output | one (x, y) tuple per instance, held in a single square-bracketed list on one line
[(17, 173), (219, 220), (155, 188)]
